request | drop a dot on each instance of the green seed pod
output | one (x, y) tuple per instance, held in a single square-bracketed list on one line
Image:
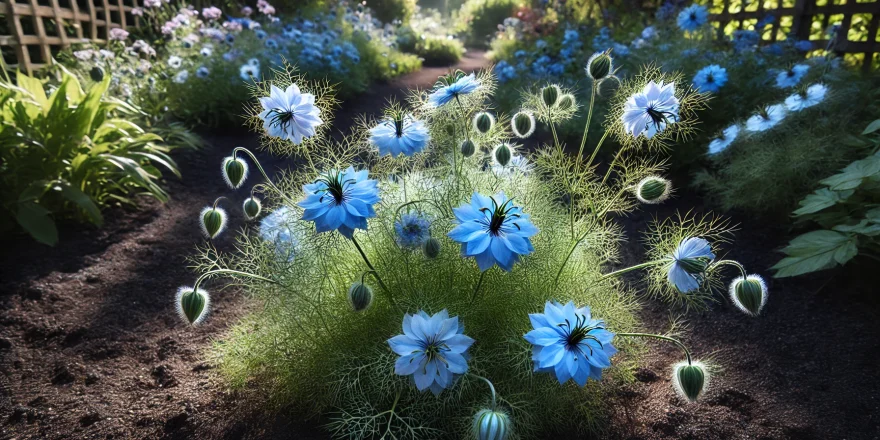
[(468, 148), (360, 296), (484, 122), (608, 86), (550, 95), (251, 207), (193, 306), (235, 171), (694, 265), (653, 190), (599, 65), (502, 154), (491, 425), (690, 380), (523, 124), (97, 74), (431, 248), (213, 221), (566, 102), (749, 294)]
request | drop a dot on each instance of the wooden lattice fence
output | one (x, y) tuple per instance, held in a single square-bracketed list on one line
[(856, 38), (34, 30)]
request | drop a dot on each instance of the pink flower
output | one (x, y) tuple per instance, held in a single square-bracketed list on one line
[(268, 10), (247, 11), (137, 12), (169, 27), (232, 26), (152, 3), (118, 34), (212, 13)]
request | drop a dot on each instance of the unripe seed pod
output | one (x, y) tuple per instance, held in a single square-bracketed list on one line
[(608, 87), (653, 190), (235, 171), (690, 380), (97, 74), (749, 294), (484, 122), (566, 102), (431, 248), (360, 296), (523, 124), (213, 221), (491, 425), (550, 95), (251, 207), (502, 154), (192, 306), (468, 148), (599, 65)]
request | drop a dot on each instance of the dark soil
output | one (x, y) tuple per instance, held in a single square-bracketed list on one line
[(91, 347)]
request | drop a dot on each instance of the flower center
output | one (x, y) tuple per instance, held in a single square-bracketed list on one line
[(335, 186), (499, 215), (280, 118), (659, 117), (578, 332)]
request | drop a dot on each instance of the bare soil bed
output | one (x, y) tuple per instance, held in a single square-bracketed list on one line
[(91, 347)]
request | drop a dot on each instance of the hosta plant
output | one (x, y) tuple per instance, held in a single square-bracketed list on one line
[(427, 277)]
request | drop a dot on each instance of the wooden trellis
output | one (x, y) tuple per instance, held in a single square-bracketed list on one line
[(856, 38), (37, 29)]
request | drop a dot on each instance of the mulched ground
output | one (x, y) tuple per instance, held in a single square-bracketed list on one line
[(90, 345)]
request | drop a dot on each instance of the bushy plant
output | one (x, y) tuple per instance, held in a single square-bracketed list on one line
[(426, 36), (846, 208), (429, 223), (391, 10), (65, 153), (478, 20)]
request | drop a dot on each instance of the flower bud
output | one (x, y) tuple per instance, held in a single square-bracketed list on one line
[(523, 124), (97, 74), (502, 154), (192, 306), (431, 248), (599, 65), (484, 122), (550, 95), (468, 148), (213, 221), (608, 86), (690, 380), (360, 296), (251, 207), (566, 102), (749, 294), (653, 190), (491, 425), (235, 171)]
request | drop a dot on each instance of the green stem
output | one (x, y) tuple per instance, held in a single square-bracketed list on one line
[(228, 271), (574, 245), (491, 388), (587, 127), (373, 270), (477, 288), (687, 352), (613, 162), (262, 171), (620, 272), (736, 264), (596, 150)]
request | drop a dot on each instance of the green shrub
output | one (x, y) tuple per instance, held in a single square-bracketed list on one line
[(66, 153), (439, 51), (846, 208), (389, 10), (478, 20)]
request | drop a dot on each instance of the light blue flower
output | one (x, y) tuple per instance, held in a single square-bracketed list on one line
[(412, 230), (688, 262), (275, 228), (744, 39), (804, 45), (462, 86), (290, 114), (249, 72), (504, 71), (569, 344), (260, 34), (202, 72), (493, 230), (710, 78), (271, 43), (520, 54), (692, 18), (791, 77), (432, 349), (650, 111), (340, 200), (400, 134), (540, 44)]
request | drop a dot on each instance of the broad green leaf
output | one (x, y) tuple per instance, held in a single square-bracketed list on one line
[(820, 199), (34, 87), (816, 250), (88, 108), (863, 227), (851, 176), (83, 201), (36, 220), (873, 215), (872, 127)]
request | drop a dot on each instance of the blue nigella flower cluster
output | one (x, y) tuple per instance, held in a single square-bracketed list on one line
[(710, 78), (493, 230), (745, 40), (340, 200), (692, 18), (432, 349), (504, 71), (571, 46), (412, 230), (569, 344)]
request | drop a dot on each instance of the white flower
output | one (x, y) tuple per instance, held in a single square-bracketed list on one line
[(207, 51), (175, 62), (727, 137), (290, 114), (181, 77), (814, 95), (650, 111), (517, 164), (766, 118)]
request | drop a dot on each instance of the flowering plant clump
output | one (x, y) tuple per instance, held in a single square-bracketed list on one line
[(499, 273)]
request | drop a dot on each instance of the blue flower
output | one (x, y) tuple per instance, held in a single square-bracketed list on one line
[(271, 43), (692, 18), (202, 72), (665, 11), (520, 53), (340, 200), (432, 349), (688, 262), (461, 86), (412, 230), (745, 39), (493, 231), (275, 228), (260, 34), (569, 344), (710, 78), (249, 72), (400, 134), (791, 77), (540, 44), (650, 111), (804, 45), (504, 71), (290, 114), (773, 49)]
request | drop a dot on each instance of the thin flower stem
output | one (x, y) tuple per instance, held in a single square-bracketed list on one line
[(587, 126), (477, 288), (373, 270), (217, 202), (262, 171), (596, 150), (620, 272), (613, 162), (230, 272), (491, 388), (736, 264), (687, 352)]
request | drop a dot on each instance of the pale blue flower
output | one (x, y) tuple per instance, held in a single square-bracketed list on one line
[(804, 45), (650, 111), (271, 43), (540, 44), (290, 114), (710, 78), (766, 118), (493, 230), (810, 97), (249, 72), (202, 72), (688, 262), (400, 135), (412, 230), (791, 77), (340, 200), (569, 344), (461, 86), (723, 141), (692, 18), (432, 349), (276, 228), (260, 34)]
